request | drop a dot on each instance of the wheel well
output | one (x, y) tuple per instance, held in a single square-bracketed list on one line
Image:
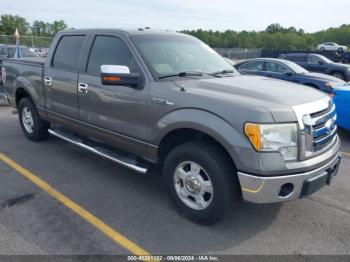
[(183, 135), (20, 93)]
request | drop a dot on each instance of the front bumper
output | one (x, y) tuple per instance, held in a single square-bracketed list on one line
[(289, 187)]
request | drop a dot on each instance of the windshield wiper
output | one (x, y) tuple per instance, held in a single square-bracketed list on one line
[(187, 74), (222, 72)]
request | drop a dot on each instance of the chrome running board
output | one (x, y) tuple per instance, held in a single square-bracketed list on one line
[(101, 151)]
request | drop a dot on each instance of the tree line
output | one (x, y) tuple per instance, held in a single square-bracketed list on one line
[(274, 36), (9, 23)]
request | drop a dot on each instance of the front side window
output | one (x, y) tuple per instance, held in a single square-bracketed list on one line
[(168, 55), (277, 68), (253, 66), (314, 60), (68, 52), (108, 50)]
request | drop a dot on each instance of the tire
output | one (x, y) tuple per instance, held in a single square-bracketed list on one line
[(340, 50), (214, 167), (33, 126), (338, 75)]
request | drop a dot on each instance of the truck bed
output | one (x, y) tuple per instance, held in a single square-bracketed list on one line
[(30, 70), (26, 60)]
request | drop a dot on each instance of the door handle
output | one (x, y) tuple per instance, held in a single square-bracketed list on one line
[(48, 80), (83, 88)]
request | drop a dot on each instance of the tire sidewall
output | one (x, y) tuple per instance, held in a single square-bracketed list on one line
[(26, 102), (221, 189)]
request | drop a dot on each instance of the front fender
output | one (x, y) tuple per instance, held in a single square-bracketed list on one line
[(190, 118)]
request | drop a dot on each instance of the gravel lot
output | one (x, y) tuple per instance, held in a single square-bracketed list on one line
[(32, 222)]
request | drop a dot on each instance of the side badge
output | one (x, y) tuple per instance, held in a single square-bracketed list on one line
[(161, 101)]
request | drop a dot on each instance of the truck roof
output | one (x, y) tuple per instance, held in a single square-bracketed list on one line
[(139, 31)]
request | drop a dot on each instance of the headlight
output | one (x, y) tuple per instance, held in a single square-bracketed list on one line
[(282, 138)]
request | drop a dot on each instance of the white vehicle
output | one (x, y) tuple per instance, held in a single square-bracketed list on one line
[(331, 46)]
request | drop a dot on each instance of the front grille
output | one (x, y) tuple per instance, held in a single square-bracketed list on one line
[(322, 128)]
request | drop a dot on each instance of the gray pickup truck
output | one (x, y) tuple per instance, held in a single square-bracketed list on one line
[(144, 97)]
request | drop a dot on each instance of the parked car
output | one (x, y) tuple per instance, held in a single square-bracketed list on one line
[(1, 51), (342, 100), (8, 51), (146, 97), (289, 71), (320, 64), (331, 46)]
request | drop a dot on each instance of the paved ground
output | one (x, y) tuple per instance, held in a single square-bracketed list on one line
[(32, 222)]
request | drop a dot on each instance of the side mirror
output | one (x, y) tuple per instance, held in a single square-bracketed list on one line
[(288, 73), (120, 75), (320, 63)]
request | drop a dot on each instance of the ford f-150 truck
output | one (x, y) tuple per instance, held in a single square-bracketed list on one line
[(145, 97)]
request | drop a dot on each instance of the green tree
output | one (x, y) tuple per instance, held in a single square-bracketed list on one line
[(40, 28), (56, 26), (9, 23)]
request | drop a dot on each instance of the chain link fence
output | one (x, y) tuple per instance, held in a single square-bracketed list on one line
[(239, 53), (30, 41)]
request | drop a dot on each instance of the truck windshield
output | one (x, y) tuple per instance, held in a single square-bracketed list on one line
[(172, 55)]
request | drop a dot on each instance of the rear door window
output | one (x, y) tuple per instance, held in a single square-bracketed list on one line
[(276, 68), (68, 52), (297, 58)]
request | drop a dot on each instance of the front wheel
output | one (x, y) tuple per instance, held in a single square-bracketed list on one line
[(32, 125), (201, 181)]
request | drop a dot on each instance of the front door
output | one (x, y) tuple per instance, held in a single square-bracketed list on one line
[(118, 113), (316, 64), (61, 78)]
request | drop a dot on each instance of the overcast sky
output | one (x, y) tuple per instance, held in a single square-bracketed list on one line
[(311, 15)]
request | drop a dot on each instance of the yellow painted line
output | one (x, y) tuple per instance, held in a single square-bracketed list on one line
[(252, 190), (100, 225), (345, 154)]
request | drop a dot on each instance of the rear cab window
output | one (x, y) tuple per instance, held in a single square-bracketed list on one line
[(67, 54)]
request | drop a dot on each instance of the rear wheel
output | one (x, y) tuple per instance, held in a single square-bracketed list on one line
[(338, 75), (201, 181), (32, 125)]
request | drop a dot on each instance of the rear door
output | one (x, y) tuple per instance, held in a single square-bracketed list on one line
[(118, 113), (61, 78)]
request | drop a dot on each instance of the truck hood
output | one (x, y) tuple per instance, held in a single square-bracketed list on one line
[(252, 93), (261, 90)]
